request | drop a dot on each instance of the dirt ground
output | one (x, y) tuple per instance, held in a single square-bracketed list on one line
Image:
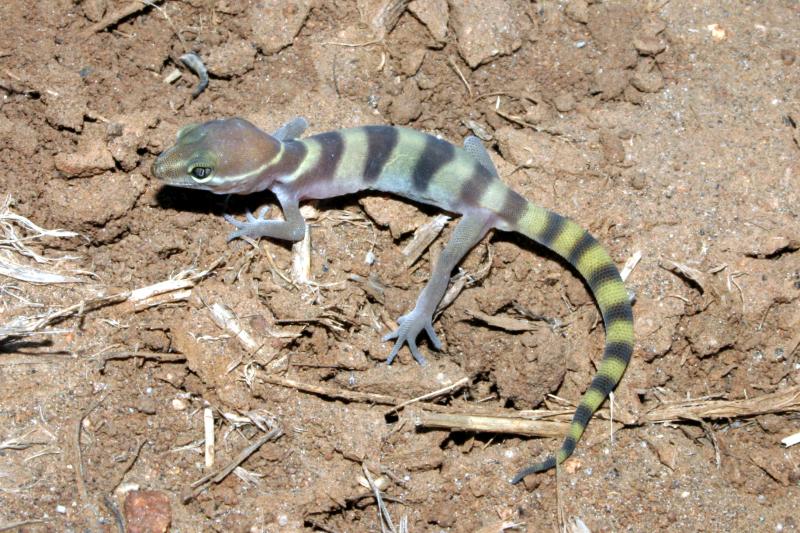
[(669, 128)]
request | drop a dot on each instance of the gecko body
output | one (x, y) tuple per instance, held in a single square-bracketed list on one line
[(234, 156)]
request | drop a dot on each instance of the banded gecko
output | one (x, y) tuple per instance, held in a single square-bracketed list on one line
[(234, 156)]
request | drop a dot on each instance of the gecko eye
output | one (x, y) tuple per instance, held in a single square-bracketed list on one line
[(201, 174)]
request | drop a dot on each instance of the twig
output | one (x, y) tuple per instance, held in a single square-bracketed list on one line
[(791, 440), (713, 438), (208, 427), (493, 424), (452, 63), (24, 326), (383, 512), (78, 458), (423, 237), (783, 401), (215, 477), (445, 390), (301, 259), (787, 400), (630, 264), (503, 322), (115, 511), (149, 356), (20, 443), (275, 269), (115, 17), (112, 486), (328, 392), (322, 527), (19, 524)]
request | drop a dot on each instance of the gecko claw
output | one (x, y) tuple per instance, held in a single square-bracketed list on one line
[(410, 326)]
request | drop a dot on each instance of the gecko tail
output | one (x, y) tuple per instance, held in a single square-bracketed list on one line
[(587, 256), (547, 464)]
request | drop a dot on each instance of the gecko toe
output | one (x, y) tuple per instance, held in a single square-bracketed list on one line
[(437, 344)]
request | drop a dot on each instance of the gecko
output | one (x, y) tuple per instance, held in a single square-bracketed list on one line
[(232, 155)]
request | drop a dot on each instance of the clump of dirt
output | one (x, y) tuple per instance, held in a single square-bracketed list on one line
[(173, 376)]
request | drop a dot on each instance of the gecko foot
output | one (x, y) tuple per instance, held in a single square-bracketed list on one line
[(411, 325), (251, 227)]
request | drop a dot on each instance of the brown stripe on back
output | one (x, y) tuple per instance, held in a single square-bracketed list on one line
[(381, 141), (475, 186), (331, 150), (514, 206), (293, 154), (437, 153)]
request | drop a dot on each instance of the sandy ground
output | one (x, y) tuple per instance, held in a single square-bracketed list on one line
[(668, 128)]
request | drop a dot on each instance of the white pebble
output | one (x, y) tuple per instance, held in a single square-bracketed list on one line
[(178, 404)]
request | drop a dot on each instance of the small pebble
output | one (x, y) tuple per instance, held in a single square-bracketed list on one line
[(147, 510), (638, 181), (178, 404), (61, 509), (788, 57), (564, 102)]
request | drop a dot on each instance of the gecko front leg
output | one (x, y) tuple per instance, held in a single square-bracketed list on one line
[(293, 228), (469, 231)]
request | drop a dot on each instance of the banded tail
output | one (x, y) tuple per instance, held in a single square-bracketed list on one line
[(582, 251)]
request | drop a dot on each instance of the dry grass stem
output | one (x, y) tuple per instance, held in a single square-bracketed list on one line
[(452, 62), (503, 322), (791, 440), (14, 242), (530, 423), (215, 477), (20, 524), (22, 442), (630, 265), (435, 394), (783, 401), (112, 485), (150, 356), (384, 516), (329, 392), (228, 321), (463, 280), (115, 17), (208, 430), (301, 259), (493, 424), (78, 454)]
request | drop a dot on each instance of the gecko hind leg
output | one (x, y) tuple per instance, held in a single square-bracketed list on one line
[(469, 231), (291, 130)]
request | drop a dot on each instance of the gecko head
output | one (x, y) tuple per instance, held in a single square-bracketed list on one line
[(222, 156)]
